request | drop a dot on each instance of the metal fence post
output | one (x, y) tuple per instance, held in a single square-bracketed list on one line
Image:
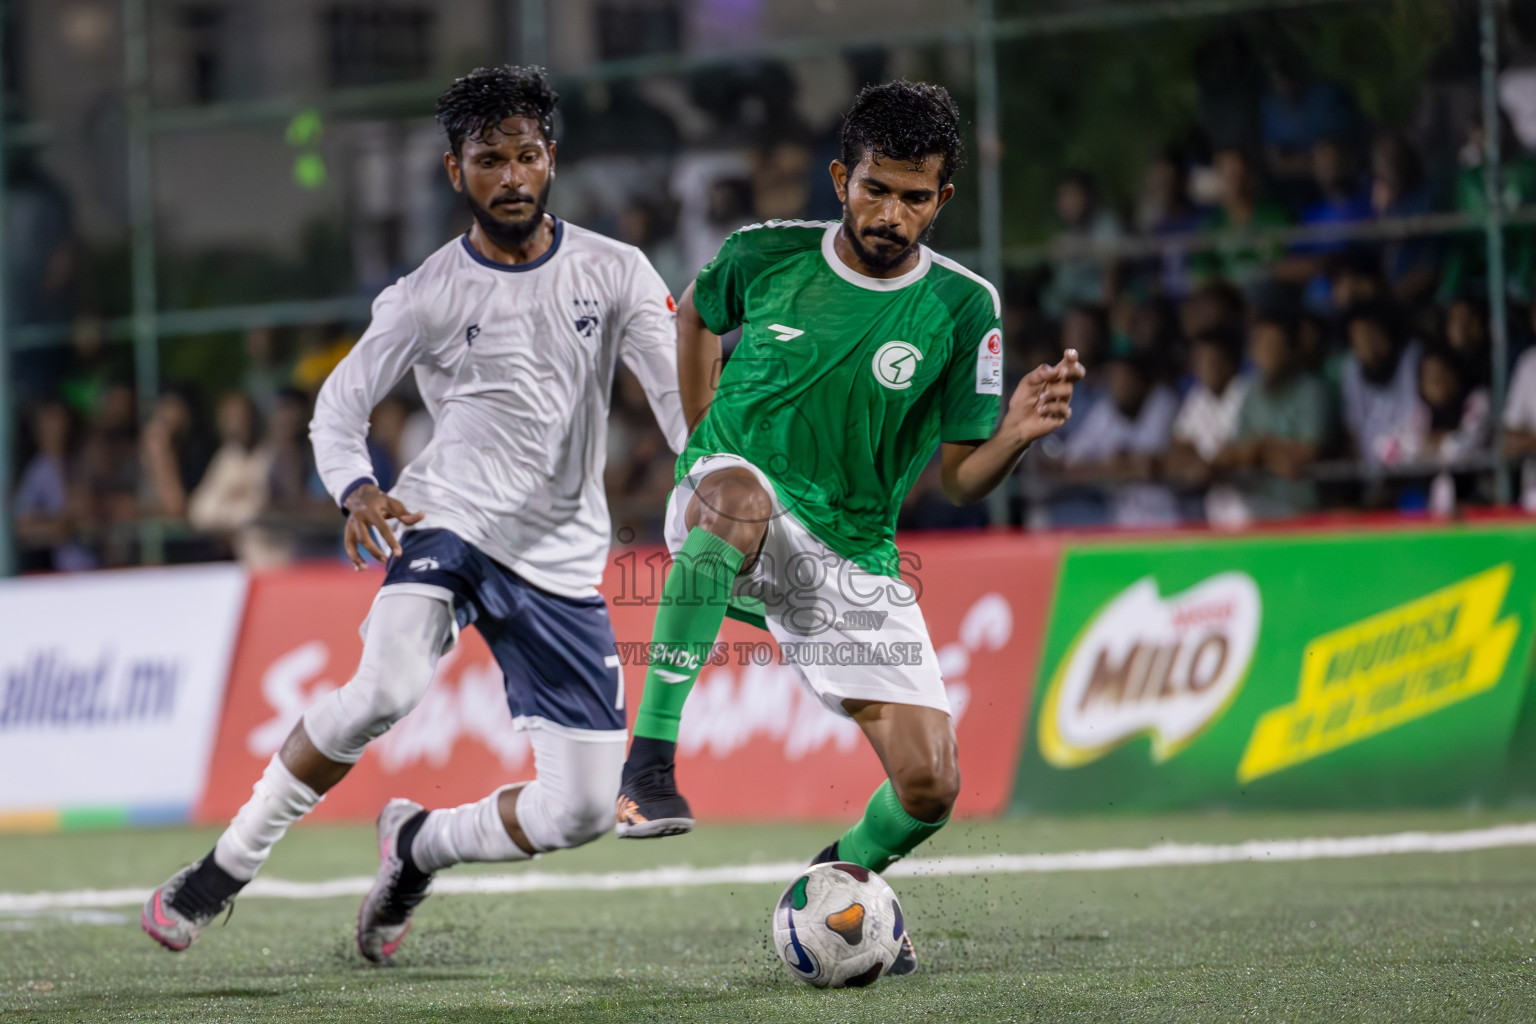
[(989, 187), (141, 219), (8, 408), (1493, 226)]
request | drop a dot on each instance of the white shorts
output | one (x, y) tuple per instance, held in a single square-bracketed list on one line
[(853, 635)]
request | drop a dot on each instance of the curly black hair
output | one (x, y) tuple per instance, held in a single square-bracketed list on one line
[(904, 121), (485, 97)]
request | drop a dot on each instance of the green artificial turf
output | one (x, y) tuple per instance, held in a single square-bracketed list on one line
[(1418, 937)]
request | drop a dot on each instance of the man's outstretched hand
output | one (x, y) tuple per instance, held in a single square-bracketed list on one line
[(370, 509), (1043, 400)]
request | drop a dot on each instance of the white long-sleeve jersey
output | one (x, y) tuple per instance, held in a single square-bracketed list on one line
[(515, 364)]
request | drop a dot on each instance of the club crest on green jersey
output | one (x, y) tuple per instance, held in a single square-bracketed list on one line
[(895, 364)]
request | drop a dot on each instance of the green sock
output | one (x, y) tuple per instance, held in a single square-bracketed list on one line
[(692, 608), (886, 833)]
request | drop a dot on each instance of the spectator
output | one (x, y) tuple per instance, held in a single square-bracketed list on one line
[(1298, 111), (92, 368), (1086, 329), (1244, 263), (1466, 264), (1355, 281), (1282, 428), (1520, 424), (1207, 421), (1399, 189), (1380, 383), (1217, 306), (1121, 441), (1342, 201), (174, 455), (639, 474), (109, 471), (234, 490), (1153, 331), (320, 350), (386, 428), (43, 505), (780, 183), (265, 373), (927, 507), (649, 224), (1081, 273), (292, 483), (1453, 415), (1466, 336), (1166, 211)]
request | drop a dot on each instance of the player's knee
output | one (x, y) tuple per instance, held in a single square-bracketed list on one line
[(587, 821), (395, 688), (928, 792), (734, 506), (390, 681), (559, 821)]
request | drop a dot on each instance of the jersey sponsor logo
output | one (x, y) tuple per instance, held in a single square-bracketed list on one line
[(678, 657), (989, 364), (895, 364), (471, 334), (668, 676), (785, 333), (1163, 667), (586, 317)]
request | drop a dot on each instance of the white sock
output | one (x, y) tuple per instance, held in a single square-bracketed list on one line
[(277, 800), (469, 832)]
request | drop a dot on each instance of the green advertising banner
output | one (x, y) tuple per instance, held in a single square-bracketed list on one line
[(1312, 670)]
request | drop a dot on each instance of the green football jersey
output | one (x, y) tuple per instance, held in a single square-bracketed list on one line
[(843, 385)]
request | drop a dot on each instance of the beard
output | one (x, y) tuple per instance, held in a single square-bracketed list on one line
[(510, 234), (1380, 373), (878, 259)]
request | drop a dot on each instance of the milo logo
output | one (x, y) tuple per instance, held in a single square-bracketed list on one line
[(1146, 664)]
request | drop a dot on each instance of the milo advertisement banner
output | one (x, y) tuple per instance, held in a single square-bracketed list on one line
[(1286, 670)]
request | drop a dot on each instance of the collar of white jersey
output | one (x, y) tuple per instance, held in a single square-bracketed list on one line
[(874, 284), (518, 268)]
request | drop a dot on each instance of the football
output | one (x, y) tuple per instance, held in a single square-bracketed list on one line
[(838, 926)]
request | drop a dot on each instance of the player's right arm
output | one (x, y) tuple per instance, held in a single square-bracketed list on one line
[(698, 353), (339, 429), (716, 303)]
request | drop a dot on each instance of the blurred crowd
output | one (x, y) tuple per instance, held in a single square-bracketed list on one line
[(1283, 320), (201, 478), (1286, 324)]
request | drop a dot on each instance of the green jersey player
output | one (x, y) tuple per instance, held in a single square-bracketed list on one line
[(861, 352)]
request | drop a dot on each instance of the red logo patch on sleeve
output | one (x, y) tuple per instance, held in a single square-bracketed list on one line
[(671, 304)]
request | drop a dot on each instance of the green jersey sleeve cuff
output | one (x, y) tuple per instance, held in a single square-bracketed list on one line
[(975, 430), (710, 312)]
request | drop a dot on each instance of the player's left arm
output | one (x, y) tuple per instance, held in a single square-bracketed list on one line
[(1040, 404)]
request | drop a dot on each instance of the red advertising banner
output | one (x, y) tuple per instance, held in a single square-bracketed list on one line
[(755, 743)]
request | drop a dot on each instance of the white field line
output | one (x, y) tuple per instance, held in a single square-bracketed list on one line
[(1162, 855)]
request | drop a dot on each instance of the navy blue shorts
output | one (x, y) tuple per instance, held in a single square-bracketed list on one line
[(557, 653)]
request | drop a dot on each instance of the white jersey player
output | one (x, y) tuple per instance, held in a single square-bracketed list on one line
[(513, 332)]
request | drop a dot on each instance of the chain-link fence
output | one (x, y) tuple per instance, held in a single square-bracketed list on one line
[(1269, 225)]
